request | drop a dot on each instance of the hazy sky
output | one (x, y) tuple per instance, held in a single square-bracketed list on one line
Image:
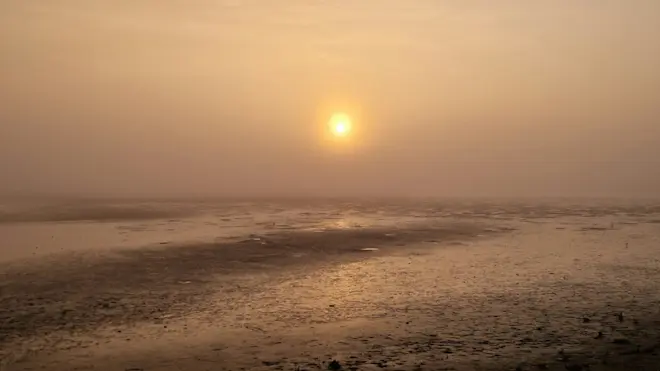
[(230, 97)]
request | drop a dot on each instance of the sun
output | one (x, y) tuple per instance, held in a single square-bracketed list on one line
[(340, 125)]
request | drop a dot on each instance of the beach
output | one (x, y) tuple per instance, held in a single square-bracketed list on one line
[(354, 285)]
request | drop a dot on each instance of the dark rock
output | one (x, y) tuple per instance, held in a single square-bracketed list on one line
[(334, 365), (621, 341), (586, 320), (600, 335)]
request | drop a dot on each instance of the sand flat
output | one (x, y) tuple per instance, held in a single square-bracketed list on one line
[(462, 295)]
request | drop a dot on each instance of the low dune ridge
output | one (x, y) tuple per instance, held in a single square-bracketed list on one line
[(76, 212)]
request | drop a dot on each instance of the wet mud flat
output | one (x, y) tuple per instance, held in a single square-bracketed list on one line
[(454, 297), (73, 294)]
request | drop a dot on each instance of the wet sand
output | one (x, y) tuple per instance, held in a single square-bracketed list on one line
[(576, 293)]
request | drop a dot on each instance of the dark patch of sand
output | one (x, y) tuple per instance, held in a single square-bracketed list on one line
[(80, 292)]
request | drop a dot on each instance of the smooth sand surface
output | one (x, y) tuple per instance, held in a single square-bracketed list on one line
[(572, 293)]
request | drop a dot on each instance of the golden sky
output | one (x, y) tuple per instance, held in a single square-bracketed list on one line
[(230, 97)]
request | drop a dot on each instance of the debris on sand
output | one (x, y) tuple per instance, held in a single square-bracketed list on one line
[(381, 364), (254, 238), (370, 249), (334, 365), (563, 357), (620, 316)]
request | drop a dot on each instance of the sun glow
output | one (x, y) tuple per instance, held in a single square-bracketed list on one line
[(340, 125)]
